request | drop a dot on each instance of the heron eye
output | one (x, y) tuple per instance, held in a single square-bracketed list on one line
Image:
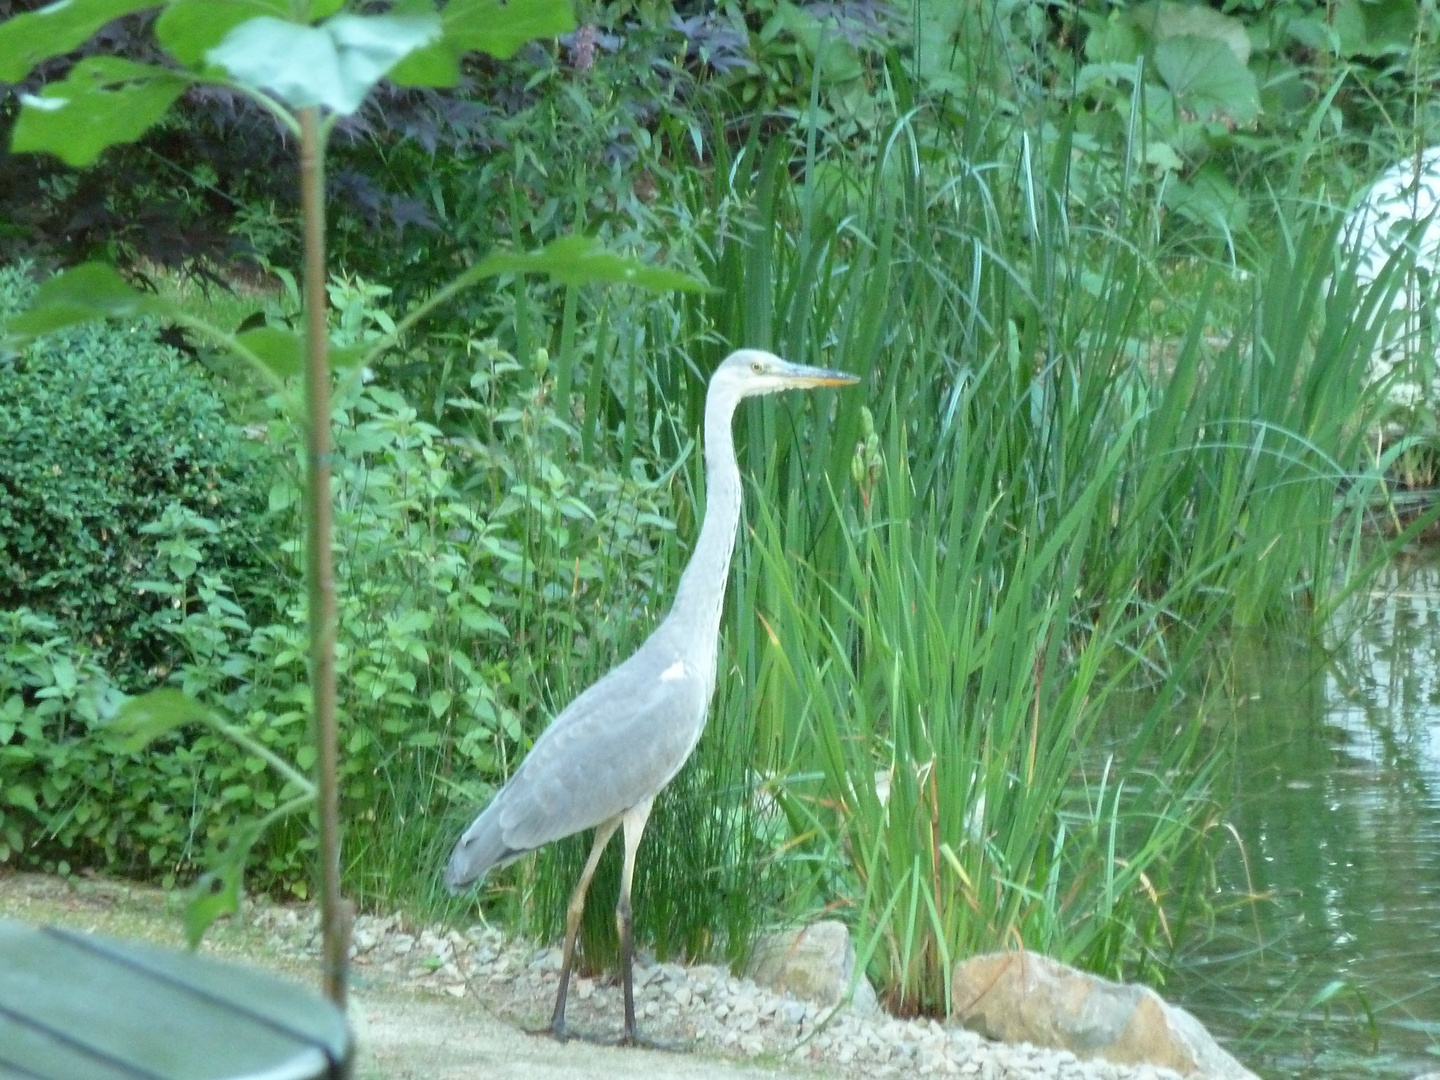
[(755, 366)]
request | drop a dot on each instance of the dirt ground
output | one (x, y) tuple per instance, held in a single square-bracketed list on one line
[(402, 1034)]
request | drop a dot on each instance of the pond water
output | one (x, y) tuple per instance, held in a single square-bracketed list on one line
[(1334, 772)]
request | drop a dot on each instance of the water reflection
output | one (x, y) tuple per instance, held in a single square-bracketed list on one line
[(1335, 776)]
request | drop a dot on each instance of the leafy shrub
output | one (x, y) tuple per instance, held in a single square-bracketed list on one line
[(482, 579), (103, 432)]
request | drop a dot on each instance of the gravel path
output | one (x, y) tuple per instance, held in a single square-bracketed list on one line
[(703, 1007), (432, 1004)]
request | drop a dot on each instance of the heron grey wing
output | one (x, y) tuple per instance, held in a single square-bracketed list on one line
[(618, 743)]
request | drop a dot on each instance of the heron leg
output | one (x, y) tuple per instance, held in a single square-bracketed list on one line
[(634, 821), (573, 912)]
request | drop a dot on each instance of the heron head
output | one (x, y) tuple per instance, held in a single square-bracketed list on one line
[(747, 372)]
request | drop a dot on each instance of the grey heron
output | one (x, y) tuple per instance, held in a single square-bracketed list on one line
[(602, 761)]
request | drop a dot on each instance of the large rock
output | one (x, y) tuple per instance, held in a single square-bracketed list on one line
[(814, 964), (1026, 997)]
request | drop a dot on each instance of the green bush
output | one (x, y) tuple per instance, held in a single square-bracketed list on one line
[(66, 800), (483, 579), (103, 433)]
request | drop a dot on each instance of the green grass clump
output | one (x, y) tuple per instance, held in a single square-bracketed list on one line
[(1063, 497)]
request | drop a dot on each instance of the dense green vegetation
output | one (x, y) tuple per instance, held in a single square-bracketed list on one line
[(80, 528), (1114, 407)]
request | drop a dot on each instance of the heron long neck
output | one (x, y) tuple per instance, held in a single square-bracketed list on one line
[(702, 586)]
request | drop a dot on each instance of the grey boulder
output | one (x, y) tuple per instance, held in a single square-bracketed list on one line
[(1027, 997), (814, 964)]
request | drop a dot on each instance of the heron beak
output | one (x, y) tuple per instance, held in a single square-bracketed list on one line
[(800, 377)]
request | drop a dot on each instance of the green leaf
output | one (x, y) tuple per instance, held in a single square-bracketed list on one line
[(103, 101), (1163, 155), (1374, 27), (145, 718), (1207, 78), (837, 59), (188, 29), (491, 26), (434, 65), (216, 892), (22, 796), (1162, 19), (86, 292), (283, 351), (334, 64), (1208, 198), (55, 29), (500, 27), (340, 357), (582, 260), (1115, 41)]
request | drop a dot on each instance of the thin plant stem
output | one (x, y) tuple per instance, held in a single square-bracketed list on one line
[(320, 570), (265, 754)]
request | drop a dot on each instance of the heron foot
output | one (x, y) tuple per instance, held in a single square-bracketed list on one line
[(648, 1042), (559, 1032), (635, 1040), (565, 1033)]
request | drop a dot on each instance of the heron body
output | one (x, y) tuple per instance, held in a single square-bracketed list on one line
[(603, 760)]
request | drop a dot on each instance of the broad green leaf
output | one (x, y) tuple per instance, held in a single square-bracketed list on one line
[(491, 26), (216, 892), (344, 357), (500, 27), (1309, 30), (434, 65), (1115, 41), (188, 29), (283, 351), (581, 260), (1390, 24), (1207, 78), (1208, 198), (837, 59), (1163, 155), (334, 64), (103, 101), (1374, 27), (86, 292), (1284, 87), (940, 29), (145, 718), (23, 796), (54, 29), (1162, 19)]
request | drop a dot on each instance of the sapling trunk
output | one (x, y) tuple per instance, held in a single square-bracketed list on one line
[(319, 566)]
